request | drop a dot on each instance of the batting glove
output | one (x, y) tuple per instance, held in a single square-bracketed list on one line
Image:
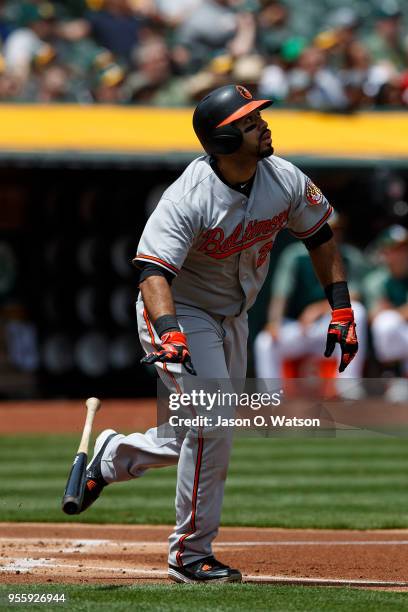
[(173, 349), (342, 329)]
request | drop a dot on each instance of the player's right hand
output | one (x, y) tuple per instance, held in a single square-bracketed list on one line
[(173, 349)]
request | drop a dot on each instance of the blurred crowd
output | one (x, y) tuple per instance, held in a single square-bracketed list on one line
[(319, 54)]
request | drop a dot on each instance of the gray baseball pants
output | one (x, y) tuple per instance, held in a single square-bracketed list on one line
[(218, 348)]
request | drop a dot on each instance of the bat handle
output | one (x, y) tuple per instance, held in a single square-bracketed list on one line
[(92, 404)]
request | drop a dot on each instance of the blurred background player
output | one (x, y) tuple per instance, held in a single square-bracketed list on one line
[(386, 293), (299, 313)]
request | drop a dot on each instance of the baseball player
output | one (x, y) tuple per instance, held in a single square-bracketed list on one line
[(204, 256)]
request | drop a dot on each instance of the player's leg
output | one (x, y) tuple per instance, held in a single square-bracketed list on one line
[(130, 456), (208, 455), (235, 345), (202, 460), (204, 455)]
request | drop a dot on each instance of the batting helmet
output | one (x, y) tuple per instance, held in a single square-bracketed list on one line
[(214, 114)]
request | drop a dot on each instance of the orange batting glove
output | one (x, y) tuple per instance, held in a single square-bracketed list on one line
[(342, 330), (172, 349)]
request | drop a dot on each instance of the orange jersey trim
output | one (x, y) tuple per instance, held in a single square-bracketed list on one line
[(160, 262), (311, 231)]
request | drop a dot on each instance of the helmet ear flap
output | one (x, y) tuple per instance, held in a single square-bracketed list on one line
[(224, 140)]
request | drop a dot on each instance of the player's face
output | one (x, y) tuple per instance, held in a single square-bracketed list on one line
[(257, 139)]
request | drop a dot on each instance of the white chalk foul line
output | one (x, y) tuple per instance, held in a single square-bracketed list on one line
[(69, 544), (324, 581), (317, 543), (25, 565), (60, 541)]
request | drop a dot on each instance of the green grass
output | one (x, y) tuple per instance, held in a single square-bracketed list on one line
[(333, 483), (209, 598)]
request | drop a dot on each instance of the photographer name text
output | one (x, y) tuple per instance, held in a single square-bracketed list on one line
[(255, 421)]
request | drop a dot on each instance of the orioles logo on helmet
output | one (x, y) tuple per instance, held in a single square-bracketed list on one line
[(243, 92)]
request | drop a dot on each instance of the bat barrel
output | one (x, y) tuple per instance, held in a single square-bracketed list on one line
[(74, 491)]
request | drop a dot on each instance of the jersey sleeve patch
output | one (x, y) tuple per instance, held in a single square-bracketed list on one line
[(313, 194)]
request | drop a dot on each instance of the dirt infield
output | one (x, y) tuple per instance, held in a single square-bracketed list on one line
[(80, 553)]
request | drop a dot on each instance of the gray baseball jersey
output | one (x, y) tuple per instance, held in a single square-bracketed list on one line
[(217, 241)]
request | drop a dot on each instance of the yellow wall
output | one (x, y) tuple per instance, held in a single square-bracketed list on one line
[(148, 130)]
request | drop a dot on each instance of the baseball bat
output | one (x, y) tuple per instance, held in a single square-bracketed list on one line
[(74, 489)]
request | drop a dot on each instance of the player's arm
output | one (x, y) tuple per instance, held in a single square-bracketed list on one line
[(307, 220), (329, 269), (157, 297), (328, 263), (158, 300), (162, 249)]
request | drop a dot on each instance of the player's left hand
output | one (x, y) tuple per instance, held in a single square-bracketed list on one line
[(173, 349), (342, 330)]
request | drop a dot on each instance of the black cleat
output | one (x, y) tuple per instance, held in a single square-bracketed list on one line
[(94, 480), (204, 570)]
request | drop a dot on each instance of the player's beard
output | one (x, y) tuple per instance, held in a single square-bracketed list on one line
[(259, 150), (265, 151)]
